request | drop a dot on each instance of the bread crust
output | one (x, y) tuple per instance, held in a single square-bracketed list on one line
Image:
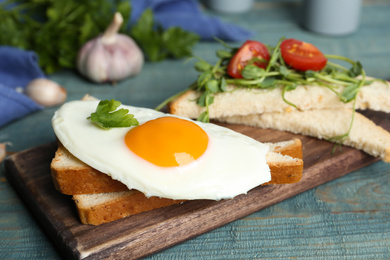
[(78, 178), (130, 203), (283, 174), (292, 148)]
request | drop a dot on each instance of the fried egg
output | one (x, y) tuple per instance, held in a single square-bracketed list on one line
[(165, 156)]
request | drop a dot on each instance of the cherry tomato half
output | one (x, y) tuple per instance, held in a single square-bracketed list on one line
[(302, 55), (247, 51)]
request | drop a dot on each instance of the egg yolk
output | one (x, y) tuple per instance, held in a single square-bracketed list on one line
[(167, 141)]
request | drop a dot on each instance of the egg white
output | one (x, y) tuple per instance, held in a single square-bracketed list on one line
[(232, 164)]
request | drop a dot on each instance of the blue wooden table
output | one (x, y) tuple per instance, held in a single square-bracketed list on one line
[(343, 219)]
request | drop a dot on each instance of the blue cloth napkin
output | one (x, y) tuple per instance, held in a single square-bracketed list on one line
[(17, 69), (188, 15)]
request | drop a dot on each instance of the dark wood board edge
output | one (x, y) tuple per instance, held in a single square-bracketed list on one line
[(55, 230), (176, 223)]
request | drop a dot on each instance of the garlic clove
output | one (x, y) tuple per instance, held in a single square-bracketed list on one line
[(126, 59), (3, 151), (91, 63), (46, 92), (111, 56)]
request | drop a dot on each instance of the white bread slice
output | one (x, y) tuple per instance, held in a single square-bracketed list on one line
[(96, 209), (323, 124), (244, 101)]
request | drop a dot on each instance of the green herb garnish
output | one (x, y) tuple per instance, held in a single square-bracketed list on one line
[(56, 30), (106, 115)]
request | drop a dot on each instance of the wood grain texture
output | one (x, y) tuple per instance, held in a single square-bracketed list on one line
[(144, 234)]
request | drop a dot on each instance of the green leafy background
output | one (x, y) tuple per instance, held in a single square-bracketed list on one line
[(57, 29)]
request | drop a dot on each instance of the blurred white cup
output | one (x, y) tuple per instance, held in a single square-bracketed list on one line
[(332, 17), (229, 6)]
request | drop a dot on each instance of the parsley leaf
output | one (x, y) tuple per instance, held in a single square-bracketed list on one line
[(106, 115)]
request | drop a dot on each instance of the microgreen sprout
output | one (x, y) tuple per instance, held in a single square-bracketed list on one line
[(213, 79)]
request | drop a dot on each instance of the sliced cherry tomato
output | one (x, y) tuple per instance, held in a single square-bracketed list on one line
[(246, 52), (302, 55)]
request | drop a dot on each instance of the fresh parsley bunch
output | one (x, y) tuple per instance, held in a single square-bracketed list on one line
[(159, 44), (56, 30)]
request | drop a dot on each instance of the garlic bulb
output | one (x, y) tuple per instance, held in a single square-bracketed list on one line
[(111, 56), (46, 92)]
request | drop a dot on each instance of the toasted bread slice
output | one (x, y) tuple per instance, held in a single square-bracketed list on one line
[(283, 169), (243, 101), (96, 209), (71, 176), (323, 124)]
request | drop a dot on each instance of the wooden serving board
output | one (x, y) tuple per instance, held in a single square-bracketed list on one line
[(147, 233)]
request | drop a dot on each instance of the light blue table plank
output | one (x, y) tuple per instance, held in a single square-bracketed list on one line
[(346, 218)]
